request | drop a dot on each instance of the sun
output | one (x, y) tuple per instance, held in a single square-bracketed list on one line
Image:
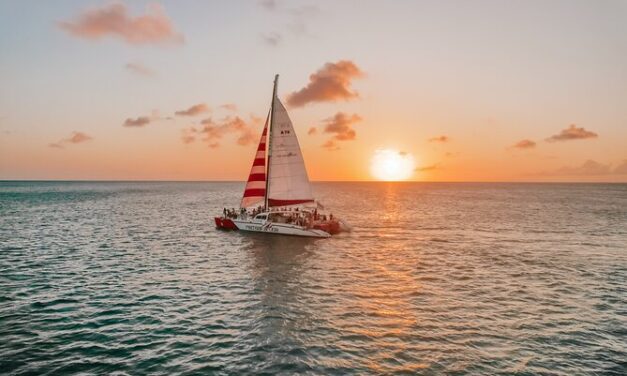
[(392, 165)]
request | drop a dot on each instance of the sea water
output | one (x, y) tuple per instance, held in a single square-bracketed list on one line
[(133, 278)]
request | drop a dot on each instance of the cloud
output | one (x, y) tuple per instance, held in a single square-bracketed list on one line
[(272, 39), (194, 110), (78, 137), (154, 27), (300, 17), (229, 107), (524, 144), (75, 138), (331, 145), (268, 4), (428, 168), (141, 121), (213, 131), (340, 126), (137, 122), (621, 169), (139, 69), (572, 133), (329, 84), (188, 135), (588, 168), (312, 131), (441, 139), (297, 17)]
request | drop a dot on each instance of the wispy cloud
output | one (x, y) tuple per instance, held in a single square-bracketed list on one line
[(330, 83), (271, 39), (229, 107), (588, 168), (113, 20), (440, 139), (572, 133), (269, 5), (330, 145), (295, 18), (140, 69), (300, 17), (189, 135), (312, 131), (75, 138), (524, 144), (432, 167), (194, 110), (621, 169)]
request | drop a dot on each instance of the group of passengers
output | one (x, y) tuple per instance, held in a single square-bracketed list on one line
[(300, 218), (231, 213)]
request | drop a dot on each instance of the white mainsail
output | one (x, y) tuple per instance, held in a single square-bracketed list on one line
[(288, 183)]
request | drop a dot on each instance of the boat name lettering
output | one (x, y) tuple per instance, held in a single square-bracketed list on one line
[(261, 228)]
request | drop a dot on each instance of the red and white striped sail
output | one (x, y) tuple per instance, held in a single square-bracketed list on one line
[(288, 180), (255, 191)]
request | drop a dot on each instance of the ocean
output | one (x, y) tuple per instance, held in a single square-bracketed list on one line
[(435, 278)]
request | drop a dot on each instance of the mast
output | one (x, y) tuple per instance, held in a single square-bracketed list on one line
[(276, 82)]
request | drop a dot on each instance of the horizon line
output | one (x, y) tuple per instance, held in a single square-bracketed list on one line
[(316, 181)]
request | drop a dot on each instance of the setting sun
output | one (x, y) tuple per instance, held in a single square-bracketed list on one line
[(392, 165)]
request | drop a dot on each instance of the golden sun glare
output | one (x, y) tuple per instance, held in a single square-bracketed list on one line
[(392, 165)]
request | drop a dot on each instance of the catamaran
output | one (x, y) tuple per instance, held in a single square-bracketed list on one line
[(277, 198)]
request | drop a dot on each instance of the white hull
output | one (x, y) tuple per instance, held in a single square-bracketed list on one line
[(279, 228)]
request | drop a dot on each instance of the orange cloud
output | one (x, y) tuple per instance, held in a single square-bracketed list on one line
[(140, 69), (621, 169), (78, 137), (188, 135), (214, 131), (340, 126), (331, 145), (428, 168), (441, 139), (137, 122), (194, 110), (329, 84), (312, 130), (524, 144), (589, 168), (572, 133), (113, 20), (75, 138), (229, 106)]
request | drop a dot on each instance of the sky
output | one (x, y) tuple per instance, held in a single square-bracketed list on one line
[(179, 90)]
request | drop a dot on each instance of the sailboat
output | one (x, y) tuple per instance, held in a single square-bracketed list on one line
[(277, 198)]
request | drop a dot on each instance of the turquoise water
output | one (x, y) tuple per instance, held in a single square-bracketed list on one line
[(132, 278)]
